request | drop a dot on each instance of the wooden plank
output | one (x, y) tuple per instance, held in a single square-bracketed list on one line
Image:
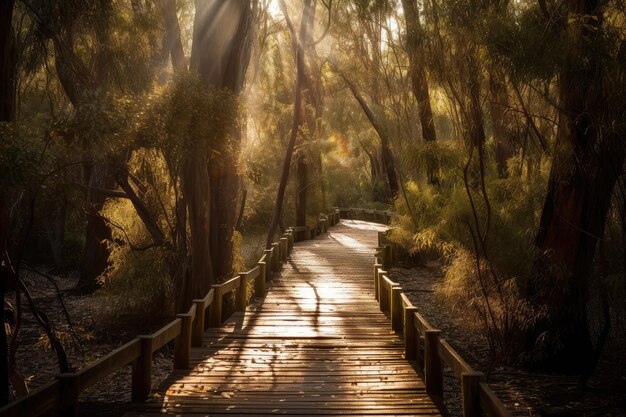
[(165, 334), (120, 357), (251, 274), (227, 286), (490, 404), (37, 402), (421, 324), (405, 301), (208, 299), (453, 359), (316, 345)]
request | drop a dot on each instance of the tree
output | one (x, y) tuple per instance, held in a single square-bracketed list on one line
[(220, 55), (7, 114), (297, 114), (588, 160), (419, 82), (386, 154)]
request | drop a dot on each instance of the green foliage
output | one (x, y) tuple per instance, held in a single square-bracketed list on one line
[(20, 156), (527, 46), (185, 117), (140, 280), (444, 218)]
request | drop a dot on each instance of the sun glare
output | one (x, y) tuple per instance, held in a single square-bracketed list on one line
[(274, 8)]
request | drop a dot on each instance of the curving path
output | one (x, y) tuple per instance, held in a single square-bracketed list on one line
[(317, 345)]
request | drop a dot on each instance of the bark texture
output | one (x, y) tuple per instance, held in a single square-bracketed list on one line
[(587, 163), (419, 81), (297, 114)]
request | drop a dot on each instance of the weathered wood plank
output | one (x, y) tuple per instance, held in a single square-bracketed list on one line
[(318, 344)]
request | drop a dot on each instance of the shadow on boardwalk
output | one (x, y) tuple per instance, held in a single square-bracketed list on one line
[(316, 345)]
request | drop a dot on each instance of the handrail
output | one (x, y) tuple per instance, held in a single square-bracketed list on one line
[(424, 344), (60, 397), (378, 216)]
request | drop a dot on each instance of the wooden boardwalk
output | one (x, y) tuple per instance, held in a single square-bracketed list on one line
[(316, 345)]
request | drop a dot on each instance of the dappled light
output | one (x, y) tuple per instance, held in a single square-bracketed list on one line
[(314, 342), (301, 207)]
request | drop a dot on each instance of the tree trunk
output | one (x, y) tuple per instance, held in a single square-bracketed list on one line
[(7, 114), (196, 189), (419, 82), (302, 185), (79, 81), (501, 122), (586, 166), (473, 114), (387, 156), (173, 43), (297, 113), (220, 54), (95, 258), (56, 231), (7, 61)]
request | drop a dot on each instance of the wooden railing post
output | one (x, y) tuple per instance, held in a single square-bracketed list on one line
[(433, 371), (215, 310), (268, 262), (410, 334), (377, 266), (182, 343), (275, 257), (259, 284), (471, 394), (387, 258), (69, 391), (285, 252), (397, 315), (290, 239), (241, 294), (382, 291), (281, 250), (198, 323), (142, 371)]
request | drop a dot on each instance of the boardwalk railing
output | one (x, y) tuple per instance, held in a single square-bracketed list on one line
[(61, 396), (376, 216), (422, 342)]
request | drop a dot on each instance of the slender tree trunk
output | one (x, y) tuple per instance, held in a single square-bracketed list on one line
[(587, 163), (473, 114), (501, 122), (8, 61), (7, 114), (196, 190), (95, 258), (242, 209), (56, 231), (387, 156), (78, 80), (173, 43), (419, 82), (297, 113), (302, 186)]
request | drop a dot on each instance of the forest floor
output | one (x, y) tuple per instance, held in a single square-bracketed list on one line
[(96, 331), (524, 393)]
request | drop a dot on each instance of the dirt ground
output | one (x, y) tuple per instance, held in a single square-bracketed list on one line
[(89, 340), (524, 393)]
